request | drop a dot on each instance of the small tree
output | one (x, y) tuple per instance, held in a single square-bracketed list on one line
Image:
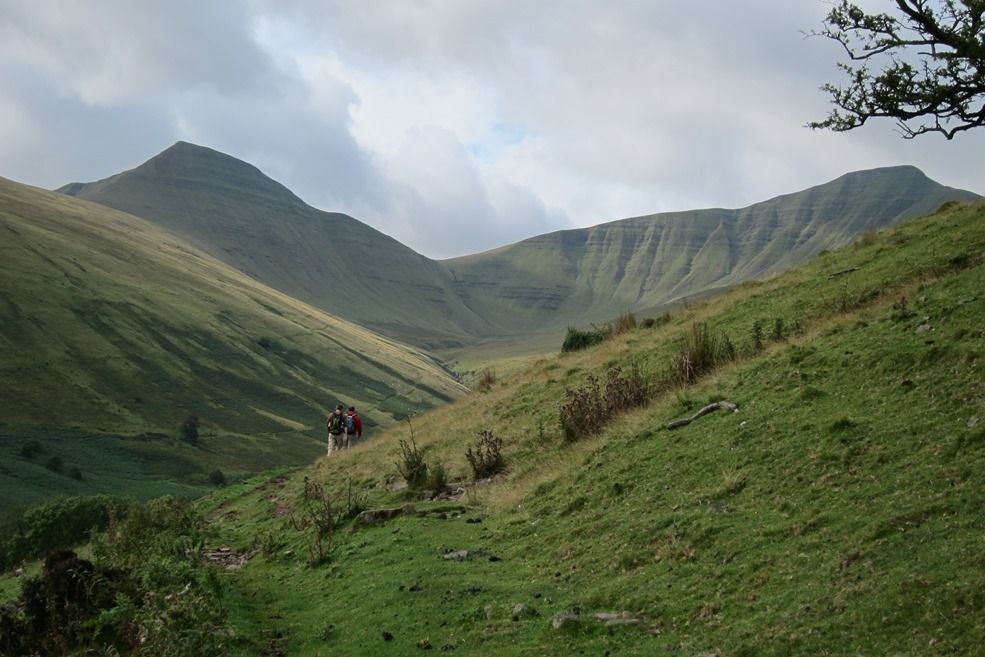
[(932, 66), (189, 429), (217, 478)]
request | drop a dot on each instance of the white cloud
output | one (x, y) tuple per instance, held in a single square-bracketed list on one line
[(452, 126)]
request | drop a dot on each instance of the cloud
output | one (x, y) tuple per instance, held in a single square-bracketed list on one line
[(455, 127)]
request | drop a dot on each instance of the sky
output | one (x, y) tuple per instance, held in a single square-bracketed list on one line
[(457, 125)]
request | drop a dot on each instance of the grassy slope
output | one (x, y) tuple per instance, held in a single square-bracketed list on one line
[(583, 275), (112, 328), (838, 513)]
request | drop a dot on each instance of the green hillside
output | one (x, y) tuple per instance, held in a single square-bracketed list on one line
[(231, 210), (837, 512), (113, 332), (577, 276)]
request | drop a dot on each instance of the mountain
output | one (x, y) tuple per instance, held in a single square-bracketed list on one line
[(233, 211), (230, 210), (112, 328), (644, 262)]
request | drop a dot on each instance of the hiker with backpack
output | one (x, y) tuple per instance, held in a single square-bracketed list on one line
[(353, 426), (336, 429)]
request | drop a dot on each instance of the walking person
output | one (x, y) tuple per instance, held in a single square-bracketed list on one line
[(353, 426), (336, 429)]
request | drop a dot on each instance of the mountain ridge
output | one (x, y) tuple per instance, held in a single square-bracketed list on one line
[(540, 284)]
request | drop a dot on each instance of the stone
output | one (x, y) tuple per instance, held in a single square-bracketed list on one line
[(563, 619), (923, 328), (521, 610), (458, 555)]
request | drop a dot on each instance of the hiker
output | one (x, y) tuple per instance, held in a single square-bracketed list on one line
[(353, 426), (336, 429)]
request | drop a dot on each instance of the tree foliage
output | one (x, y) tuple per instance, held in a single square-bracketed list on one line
[(924, 67)]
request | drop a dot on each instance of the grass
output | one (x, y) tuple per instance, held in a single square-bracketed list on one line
[(838, 512)]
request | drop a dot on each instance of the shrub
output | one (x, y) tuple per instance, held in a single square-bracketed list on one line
[(30, 449), (486, 456), (779, 330), (702, 350), (583, 411), (575, 339), (587, 409), (54, 464), (316, 512), (75, 473), (217, 478), (189, 429), (437, 478), (756, 334), (487, 379), (55, 525), (651, 322), (412, 466)]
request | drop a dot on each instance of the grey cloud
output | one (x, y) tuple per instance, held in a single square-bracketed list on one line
[(618, 108)]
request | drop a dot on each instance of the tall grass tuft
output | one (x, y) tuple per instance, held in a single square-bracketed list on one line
[(703, 349)]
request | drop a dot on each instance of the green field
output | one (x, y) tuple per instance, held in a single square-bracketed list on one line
[(838, 512)]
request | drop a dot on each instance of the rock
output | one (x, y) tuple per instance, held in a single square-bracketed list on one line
[(18, 572), (923, 328), (458, 555), (382, 515), (521, 610), (488, 611), (563, 619), (424, 644), (972, 422)]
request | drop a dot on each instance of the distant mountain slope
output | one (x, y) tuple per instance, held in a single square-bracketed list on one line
[(646, 261), (230, 209), (108, 324)]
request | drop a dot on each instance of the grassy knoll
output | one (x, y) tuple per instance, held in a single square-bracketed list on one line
[(114, 332), (837, 513)]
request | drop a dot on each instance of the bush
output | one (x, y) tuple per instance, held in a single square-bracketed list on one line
[(55, 525), (486, 456), (651, 322), (588, 409), (217, 478), (189, 429), (412, 466), (54, 464), (315, 511), (575, 339), (487, 379), (75, 473), (702, 350), (437, 478), (30, 449), (756, 333)]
